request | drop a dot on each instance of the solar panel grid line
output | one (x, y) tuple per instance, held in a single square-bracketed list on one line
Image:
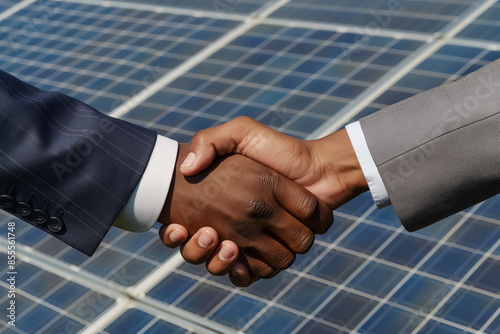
[(73, 273), (120, 306), (180, 317), (399, 71), (488, 219), (155, 276), (117, 32), (417, 266), (215, 98), (311, 265), (392, 229), (346, 28), (394, 304), (468, 17), (369, 10), (14, 9), (111, 44), (94, 93), (490, 45), (264, 87), (379, 87), (344, 284), (41, 301), (341, 82), (265, 301), (488, 323), (191, 327), (457, 286), (383, 31), (93, 282), (194, 60), (162, 8), (448, 77), (396, 266), (242, 292), (461, 71), (251, 84)]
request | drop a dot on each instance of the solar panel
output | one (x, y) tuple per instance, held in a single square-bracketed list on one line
[(303, 67)]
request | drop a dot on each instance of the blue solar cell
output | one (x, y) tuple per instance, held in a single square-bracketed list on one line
[(450, 262), (434, 327), (306, 295), (347, 309), (171, 288), (35, 319), (377, 279), (337, 266), (275, 320), (365, 238), (469, 308), (132, 321), (406, 249), (391, 319), (477, 234), (203, 299), (160, 327), (486, 276), (422, 293), (237, 312), (65, 325)]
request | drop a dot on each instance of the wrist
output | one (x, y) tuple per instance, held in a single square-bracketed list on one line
[(340, 168)]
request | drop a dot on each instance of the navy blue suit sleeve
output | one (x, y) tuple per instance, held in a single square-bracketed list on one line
[(65, 167)]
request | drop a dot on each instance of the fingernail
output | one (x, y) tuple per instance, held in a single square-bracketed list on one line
[(225, 254), (205, 240), (189, 161), (175, 236)]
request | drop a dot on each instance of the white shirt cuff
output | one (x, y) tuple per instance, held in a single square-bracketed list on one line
[(370, 170), (146, 202)]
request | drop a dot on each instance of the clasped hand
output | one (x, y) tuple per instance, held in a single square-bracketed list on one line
[(265, 197)]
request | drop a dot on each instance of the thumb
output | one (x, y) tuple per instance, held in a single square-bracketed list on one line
[(207, 144)]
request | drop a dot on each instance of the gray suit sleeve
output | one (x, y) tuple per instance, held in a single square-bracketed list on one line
[(439, 152)]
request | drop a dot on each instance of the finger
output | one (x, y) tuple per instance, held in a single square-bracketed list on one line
[(292, 233), (303, 205), (173, 235), (266, 257), (200, 247), (240, 275), (223, 139), (223, 258), (249, 269)]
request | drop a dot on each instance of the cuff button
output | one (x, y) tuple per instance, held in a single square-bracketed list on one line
[(40, 216), (55, 224), (23, 209), (7, 201)]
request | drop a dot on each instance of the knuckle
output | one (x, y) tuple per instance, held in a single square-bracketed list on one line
[(243, 120), (271, 275), (306, 240), (262, 271), (200, 137), (268, 178), (286, 261), (260, 209), (309, 207)]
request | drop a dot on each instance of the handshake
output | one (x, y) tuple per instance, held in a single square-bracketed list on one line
[(245, 198)]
